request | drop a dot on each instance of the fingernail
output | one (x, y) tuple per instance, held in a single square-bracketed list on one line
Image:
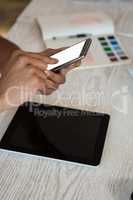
[(55, 60)]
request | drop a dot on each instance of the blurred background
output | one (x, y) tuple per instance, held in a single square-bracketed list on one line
[(9, 10)]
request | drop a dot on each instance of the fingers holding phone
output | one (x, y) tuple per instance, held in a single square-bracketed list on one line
[(70, 56), (65, 70)]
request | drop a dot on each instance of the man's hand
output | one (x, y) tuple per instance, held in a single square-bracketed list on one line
[(49, 52), (25, 74)]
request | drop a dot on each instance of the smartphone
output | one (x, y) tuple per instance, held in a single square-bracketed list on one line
[(70, 55)]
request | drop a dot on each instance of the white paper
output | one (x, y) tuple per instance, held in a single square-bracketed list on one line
[(63, 25)]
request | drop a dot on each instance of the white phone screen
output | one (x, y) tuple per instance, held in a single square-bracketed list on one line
[(67, 55)]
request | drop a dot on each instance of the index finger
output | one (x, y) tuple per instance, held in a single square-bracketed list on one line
[(49, 60)]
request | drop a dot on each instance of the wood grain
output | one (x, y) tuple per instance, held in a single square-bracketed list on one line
[(25, 177)]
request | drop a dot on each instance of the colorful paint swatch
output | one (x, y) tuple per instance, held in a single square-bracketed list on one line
[(111, 37), (111, 54), (117, 48), (124, 58), (114, 43), (108, 49), (102, 39), (104, 43), (114, 59), (121, 53), (112, 48)]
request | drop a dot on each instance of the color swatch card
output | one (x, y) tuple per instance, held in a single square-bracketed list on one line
[(69, 28), (113, 48), (105, 50)]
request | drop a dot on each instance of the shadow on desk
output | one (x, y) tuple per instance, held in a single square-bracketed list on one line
[(121, 189)]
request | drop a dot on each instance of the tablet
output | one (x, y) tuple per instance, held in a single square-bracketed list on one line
[(58, 133)]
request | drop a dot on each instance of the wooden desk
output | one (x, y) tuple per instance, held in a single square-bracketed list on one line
[(26, 177)]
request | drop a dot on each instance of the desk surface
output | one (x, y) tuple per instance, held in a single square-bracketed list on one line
[(30, 177)]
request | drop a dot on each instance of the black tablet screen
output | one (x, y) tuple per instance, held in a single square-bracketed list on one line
[(56, 132)]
